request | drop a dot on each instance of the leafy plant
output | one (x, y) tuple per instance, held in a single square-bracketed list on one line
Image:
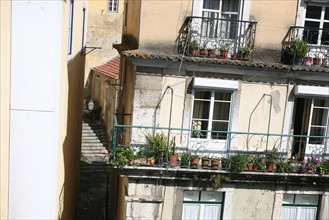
[(194, 45), (172, 147), (297, 49), (272, 157), (245, 50), (239, 162), (157, 144), (186, 156), (225, 47), (122, 156)]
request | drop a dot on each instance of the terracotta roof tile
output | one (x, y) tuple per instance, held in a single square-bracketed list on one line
[(111, 68)]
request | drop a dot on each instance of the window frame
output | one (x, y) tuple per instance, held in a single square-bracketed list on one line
[(71, 18), (202, 204), (211, 111), (113, 6), (300, 206)]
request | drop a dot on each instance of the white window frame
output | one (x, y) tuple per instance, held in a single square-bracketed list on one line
[(203, 204), (112, 6), (299, 206), (71, 18)]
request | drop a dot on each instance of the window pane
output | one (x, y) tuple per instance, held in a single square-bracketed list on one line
[(230, 6), (191, 195), (288, 199), (211, 196), (211, 4), (223, 96), (191, 211), (326, 15), (316, 132), (209, 26), (219, 126), (211, 212), (288, 213), (201, 109), (321, 103), (221, 111), (319, 116), (311, 32), (308, 213), (199, 125), (313, 11), (325, 34), (202, 95), (307, 199)]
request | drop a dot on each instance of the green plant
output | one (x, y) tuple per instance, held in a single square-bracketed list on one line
[(225, 47), (122, 156), (271, 157), (194, 45), (172, 147), (185, 156), (157, 144), (283, 166), (245, 50), (297, 48), (239, 162)]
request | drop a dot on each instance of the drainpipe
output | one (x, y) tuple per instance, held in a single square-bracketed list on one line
[(269, 120)]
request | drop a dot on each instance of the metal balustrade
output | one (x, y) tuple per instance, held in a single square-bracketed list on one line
[(216, 33)]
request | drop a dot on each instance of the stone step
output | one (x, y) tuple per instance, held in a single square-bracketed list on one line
[(91, 137), (93, 145), (92, 126), (96, 141)]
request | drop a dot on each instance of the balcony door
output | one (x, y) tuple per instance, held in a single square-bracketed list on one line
[(311, 119)]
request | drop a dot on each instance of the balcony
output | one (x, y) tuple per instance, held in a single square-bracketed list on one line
[(316, 51), (143, 146), (216, 35)]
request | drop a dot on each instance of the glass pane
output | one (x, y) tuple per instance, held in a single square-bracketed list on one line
[(317, 132), (191, 195), (211, 196), (209, 24), (307, 199), (219, 126), (313, 11), (222, 96), (230, 6), (288, 199), (311, 32), (191, 211), (201, 109), (321, 103), (211, 212), (211, 4), (199, 125), (325, 34), (202, 95), (319, 116), (288, 213), (221, 111), (308, 213), (326, 14)]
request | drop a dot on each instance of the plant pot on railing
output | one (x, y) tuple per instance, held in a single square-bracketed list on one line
[(173, 159), (307, 61), (205, 162), (194, 162), (215, 163), (316, 61)]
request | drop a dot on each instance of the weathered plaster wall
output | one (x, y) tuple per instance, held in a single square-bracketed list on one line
[(252, 204), (103, 30)]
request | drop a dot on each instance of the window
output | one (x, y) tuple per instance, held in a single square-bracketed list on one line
[(71, 10), (212, 27), (202, 205), (316, 21), (83, 27), (297, 207), (311, 119), (113, 5), (211, 111)]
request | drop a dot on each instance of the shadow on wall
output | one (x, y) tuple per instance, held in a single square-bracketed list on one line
[(68, 197)]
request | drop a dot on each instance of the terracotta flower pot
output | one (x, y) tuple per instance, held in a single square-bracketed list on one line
[(194, 162), (173, 159), (316, 61), (205, 163)]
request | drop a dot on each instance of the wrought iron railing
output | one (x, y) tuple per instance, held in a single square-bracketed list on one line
[(194, 141), (214, 33), (317, 40)]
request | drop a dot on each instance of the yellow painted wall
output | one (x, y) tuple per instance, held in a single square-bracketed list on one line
[(5, 42), (274, 19), (104, 30), (158, 28), (70, 124)]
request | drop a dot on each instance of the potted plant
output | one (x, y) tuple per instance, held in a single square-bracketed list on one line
[(123, 156), (295, 51), (224, 49), (316, 59), (185, 157), (157, 146), (215, 163), (311, 163), (173, 157), (282, 166), (194, 162), (205, 162), (250, 164), (224, 163), (194, 47), (259, 165), (271, 159), (239, 162), (203, 48), (245, 52)]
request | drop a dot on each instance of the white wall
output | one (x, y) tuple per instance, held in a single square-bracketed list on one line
[(36, 53)]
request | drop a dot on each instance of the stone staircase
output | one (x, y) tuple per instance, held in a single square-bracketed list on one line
[(94, 142)]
